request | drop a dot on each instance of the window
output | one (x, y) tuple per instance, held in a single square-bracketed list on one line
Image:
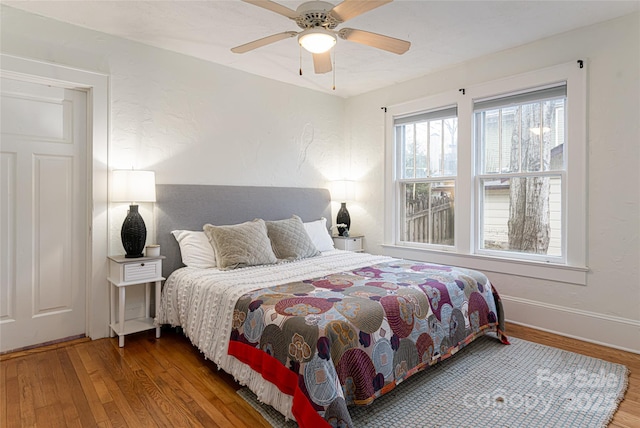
[(519, 143), (489, 177), (427, 145)]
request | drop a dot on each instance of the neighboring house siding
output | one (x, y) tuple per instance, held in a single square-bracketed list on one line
[(496, 217), (555, 208)]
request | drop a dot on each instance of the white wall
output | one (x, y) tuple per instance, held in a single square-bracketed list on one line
[(607, 309), (191, 121)]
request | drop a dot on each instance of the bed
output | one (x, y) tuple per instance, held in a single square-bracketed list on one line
[(309, 329)]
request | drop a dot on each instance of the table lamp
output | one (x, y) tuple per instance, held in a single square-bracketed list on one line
[(133, 186), (343, 191)]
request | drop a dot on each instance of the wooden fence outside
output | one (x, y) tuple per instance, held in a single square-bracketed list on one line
[(430, 220)]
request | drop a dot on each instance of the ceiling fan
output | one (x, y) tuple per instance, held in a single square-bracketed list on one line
[(318, 20)]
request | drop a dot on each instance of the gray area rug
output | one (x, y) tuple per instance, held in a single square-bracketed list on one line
[(488, 384)]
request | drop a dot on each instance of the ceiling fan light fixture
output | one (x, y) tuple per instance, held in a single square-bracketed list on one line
[(317, 40)]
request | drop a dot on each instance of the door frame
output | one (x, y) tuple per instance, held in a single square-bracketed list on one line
[(97, 87)]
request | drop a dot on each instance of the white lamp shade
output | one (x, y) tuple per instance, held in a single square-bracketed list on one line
[(317, 40), (133, 186), (343, 190)]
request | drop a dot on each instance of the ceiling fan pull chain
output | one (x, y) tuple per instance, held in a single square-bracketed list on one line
[(300, 60), (334, 69)]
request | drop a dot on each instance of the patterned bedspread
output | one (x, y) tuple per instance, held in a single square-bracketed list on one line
[(349, 337)]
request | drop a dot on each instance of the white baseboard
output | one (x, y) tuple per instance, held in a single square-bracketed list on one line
[(611, 331)]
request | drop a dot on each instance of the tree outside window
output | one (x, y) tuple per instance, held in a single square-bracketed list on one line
[(521, 171)]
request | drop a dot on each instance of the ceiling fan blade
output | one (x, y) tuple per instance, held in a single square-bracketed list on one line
[(379, 41), (274, 7), (263, 42), (349, 9), (322, 62)]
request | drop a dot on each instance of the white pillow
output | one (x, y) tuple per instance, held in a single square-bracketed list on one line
[(317, 231), (195, 249)]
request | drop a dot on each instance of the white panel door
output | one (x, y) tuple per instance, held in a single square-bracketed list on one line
[(43, 214)]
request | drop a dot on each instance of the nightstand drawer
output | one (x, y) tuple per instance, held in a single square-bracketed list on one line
[(142, 271), (350, 243)]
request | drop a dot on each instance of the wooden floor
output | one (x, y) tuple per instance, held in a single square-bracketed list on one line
[(167, 382)]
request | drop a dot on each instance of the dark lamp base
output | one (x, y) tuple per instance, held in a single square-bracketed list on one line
[(133, 233), (133, 256), (343, 218)]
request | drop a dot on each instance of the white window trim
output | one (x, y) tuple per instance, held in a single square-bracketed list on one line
[(464, 253), (393, 163)]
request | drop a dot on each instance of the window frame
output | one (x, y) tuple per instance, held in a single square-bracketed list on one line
[(481, 175), (438, 113), (464, 252), (393, 168)]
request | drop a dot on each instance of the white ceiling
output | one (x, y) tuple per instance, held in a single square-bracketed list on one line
[(442, 33)]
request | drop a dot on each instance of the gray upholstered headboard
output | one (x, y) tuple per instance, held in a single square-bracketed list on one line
[(186, 206)]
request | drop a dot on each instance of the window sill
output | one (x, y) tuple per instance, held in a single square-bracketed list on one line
[(530, 269)]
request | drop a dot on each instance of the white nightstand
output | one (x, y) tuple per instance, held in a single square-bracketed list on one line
[(124, 272), (350, 243)]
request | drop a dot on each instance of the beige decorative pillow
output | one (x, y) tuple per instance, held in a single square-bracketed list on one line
[(240, 245), (290, 240)]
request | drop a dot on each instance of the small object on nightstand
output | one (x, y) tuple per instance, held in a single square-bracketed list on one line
[(124, 272), (152, 251), (349, 243)]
